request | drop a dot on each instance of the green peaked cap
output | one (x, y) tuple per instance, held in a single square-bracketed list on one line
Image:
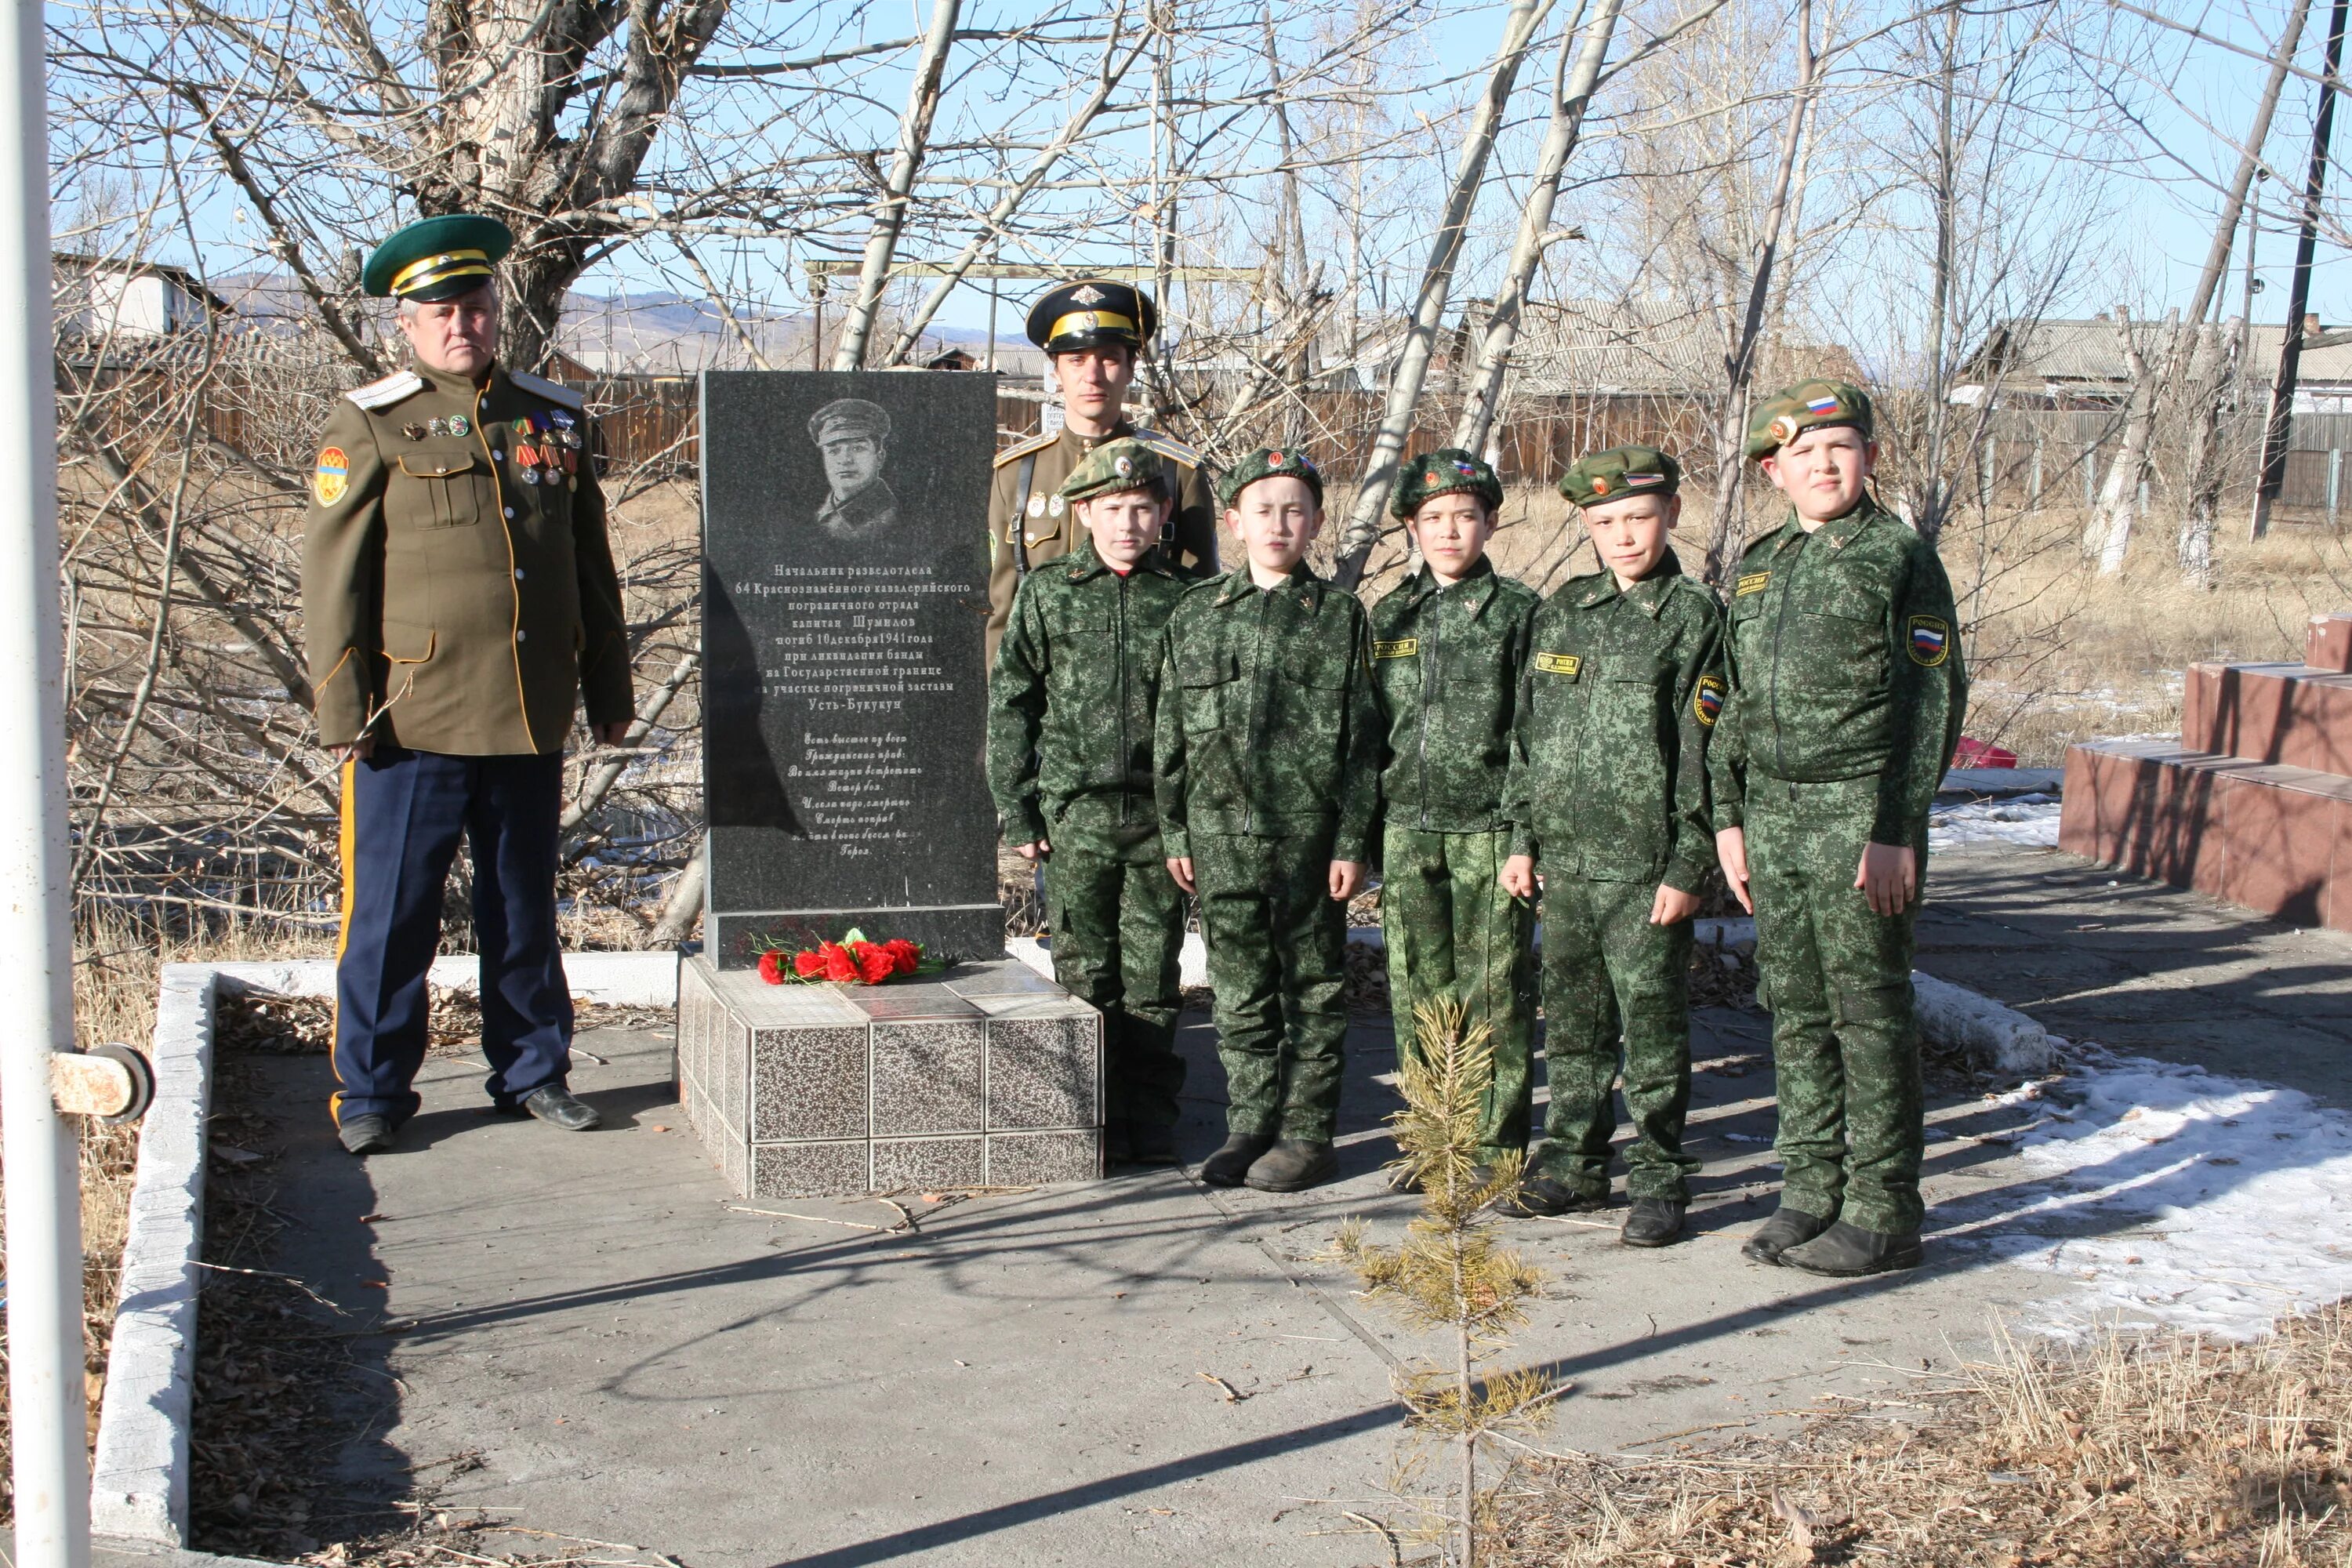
[(1808, 405), (1125, 464), (1269, 463), (1599, 478), (438, 258), (1446, 471)]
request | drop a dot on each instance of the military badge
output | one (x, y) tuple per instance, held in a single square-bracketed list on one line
[(1931, 641), (1053, 508), (1566, 664), (551, 475), (1599, 485), (1784, 429), (460, 426), (1403, 647), (436, 427), (1709, 703), (331, 477), (1089, 295), (560, 419), (526, 456), (1751, 584), (414, 432), (529, 476), (1038, 505), (1123, 466), (1276, 459)]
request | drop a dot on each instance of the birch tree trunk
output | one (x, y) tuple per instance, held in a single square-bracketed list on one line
[(1572, 92), (2108, 537), (914, 135), (1739, 363), (1363, 530)]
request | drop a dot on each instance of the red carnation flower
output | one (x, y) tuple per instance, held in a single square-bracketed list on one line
[(772, 966), (876, 963), (838, 964), (808, 964), (904, 953)]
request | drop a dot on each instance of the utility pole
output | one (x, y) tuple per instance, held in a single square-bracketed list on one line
[(2280, 426)]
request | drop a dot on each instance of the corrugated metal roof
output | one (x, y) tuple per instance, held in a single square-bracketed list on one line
[(1618, 346), (2075, 353)]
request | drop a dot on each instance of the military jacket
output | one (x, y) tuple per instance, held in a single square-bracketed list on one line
[(1052, 532), (1268, 724), (1446, 667), (448, 605), (1845, 663), (1070, 704), (1619, 695)]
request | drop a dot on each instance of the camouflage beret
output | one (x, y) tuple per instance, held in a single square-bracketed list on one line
[(1269, 463), (1808, 405), (1449, 471), (847, 416), (1599, 478), (1121, 465)]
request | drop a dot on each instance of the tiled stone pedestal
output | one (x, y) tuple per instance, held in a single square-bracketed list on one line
[(987, 1076)]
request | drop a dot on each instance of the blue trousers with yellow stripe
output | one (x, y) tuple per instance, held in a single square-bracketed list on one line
[(404, 813)]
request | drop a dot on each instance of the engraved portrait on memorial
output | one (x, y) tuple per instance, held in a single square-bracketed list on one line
[(854, 437)]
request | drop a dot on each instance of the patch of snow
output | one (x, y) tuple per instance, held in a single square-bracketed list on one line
[(1997, 1037), (2027, 819), (2176, 1196)]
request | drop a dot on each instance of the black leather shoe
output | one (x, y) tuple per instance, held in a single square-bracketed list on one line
[(1655, 1221), (555, 1106), (366, 1134), (1293, 1165), (1540, 1197), (1230, 1164), (1847, 1251), (1148, 1143), (1787, 1227)]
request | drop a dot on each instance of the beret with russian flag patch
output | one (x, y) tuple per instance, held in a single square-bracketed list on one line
[(1599, 478), (1270, 463), (1808, 405), (1449, 471)]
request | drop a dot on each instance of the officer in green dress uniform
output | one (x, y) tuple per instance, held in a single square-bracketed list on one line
[(1091, 329), (459, 597)]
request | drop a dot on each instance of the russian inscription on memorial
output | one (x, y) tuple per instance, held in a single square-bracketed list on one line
[(845, 591)]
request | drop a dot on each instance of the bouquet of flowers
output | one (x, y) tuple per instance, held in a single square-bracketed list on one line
[(852, 960)]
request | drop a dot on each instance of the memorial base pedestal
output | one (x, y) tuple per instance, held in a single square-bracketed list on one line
[(989, 1075)]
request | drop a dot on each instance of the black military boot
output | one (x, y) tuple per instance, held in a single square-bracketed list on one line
[(1654, 1222), (366, 1134), (1234, 1157), (555, 1106), (1787, 1227), (1152, 1143), (1293, 1165), (1541, 1197), (1847, 1251)]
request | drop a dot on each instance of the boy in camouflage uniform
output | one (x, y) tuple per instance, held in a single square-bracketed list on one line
[(1447, 649), (1069, 761), (1609, 791), (1847, 693), (1268, 761)]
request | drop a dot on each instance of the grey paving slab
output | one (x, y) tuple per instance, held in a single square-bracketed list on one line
[(2139, 966)]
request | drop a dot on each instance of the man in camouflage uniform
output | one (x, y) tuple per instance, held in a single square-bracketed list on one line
[(1069, 761), (1847, 693), (1448, 650), (1268, 762), (1609, 790), (1091, 331)]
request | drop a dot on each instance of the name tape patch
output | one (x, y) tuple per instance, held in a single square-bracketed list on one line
[(1708, 701), (1751, 584), (1403, 647), (1566, 664), (1931, 641)]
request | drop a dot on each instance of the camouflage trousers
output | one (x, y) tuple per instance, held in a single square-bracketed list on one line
[(1453, 934), (1278, 949), (1609, 975), (1837, 980), (1118, 929)]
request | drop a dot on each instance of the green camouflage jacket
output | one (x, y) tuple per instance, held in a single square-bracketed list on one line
[(1845, 663), (1445, 666), (1617, 703), (1270, 727), (1070, 703)]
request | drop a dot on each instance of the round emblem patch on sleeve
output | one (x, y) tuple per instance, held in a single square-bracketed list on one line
[(331, 477), (1707, 703), (1930, 640)]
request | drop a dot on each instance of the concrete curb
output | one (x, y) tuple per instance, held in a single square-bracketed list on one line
[(139, 1477)]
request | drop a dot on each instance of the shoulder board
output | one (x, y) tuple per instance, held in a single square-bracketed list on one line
[(554, 391), (1168, 447), (1021, 449), (381, 395)]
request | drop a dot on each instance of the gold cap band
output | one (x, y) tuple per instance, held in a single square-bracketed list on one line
[(1090, 321), (434, 268)]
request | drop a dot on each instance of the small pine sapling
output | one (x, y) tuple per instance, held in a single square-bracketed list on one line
[(1448, 1272)]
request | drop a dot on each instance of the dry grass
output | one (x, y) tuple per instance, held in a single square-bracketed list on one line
[(2129, 1450)]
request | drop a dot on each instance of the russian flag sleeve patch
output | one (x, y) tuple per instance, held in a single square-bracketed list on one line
[(1930, 640)]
